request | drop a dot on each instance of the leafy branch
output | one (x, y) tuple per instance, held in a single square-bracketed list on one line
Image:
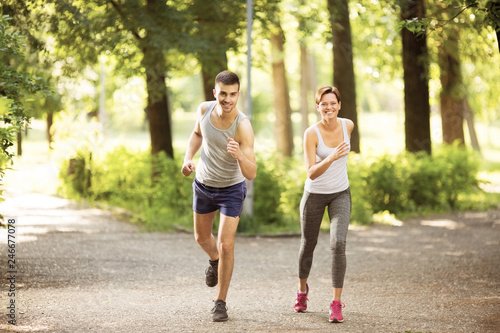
[(425, 26), (14, 86)]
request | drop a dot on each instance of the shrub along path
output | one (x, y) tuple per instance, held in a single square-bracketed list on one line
[(81, 270)]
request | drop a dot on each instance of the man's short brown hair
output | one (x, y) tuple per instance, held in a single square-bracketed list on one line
[(227, 78)]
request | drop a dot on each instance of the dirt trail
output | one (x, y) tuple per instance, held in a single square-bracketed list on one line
[(81, 270)]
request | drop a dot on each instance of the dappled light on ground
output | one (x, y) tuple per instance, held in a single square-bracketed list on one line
[(448, 224)]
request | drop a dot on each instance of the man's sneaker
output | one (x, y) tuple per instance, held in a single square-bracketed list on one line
[(212, 274), (301, 301), (219, 312), (336, 312)]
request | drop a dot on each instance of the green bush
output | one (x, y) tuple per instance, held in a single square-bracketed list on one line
[(387, 184), (420, 182), (460, 168), (361, 211), (401, 185), (76, 175), (278, 190), (123, 178), (424, 177), (267, 192)]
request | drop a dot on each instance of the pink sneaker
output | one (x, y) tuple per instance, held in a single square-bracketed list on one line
[(301, 301), (336, 312)]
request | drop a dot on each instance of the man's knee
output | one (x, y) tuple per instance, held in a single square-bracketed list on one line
[(202, 239), (226, 248)]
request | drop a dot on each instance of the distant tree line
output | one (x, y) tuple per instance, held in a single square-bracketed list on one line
[(152, 37)]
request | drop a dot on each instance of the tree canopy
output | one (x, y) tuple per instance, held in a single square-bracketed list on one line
[(162, 41)]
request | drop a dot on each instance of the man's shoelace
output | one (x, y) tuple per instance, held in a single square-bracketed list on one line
[(219, 307), (211, 271)]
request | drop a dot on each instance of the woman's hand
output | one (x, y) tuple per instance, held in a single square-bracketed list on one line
[(341, 151)]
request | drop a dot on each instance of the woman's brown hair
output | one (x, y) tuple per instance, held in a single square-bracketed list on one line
[(327, 90)]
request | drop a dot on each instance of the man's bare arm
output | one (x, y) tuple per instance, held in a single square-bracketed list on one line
[(194, 143), (242, 149)]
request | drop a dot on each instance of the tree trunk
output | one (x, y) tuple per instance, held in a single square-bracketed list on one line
[(211, 53), (343, 67), (452, 96), (50, 121), (498, 39), (469, 117), (20, 143), (304, 87), (283, 123), (416, 85), (158, 108), (211, 65), (313, 83)]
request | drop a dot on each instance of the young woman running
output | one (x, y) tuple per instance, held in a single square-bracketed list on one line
[(326, 145)]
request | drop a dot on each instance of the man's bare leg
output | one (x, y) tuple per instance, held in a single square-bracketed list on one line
[(203, 224), (225, 245)]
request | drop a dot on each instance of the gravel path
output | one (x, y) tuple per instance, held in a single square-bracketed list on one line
[(81, 270)]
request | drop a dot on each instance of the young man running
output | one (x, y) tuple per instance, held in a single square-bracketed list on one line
[(226, 139)]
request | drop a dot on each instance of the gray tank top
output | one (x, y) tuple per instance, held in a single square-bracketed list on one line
[(217, 168)]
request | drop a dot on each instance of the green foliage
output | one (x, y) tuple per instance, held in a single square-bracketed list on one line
[(459, 169), (267, 192), (489, 13), (14, 86), (79, 173), (361, 210), (415, 25), (493, 14), (123, 179), (398, 185), (386, 184), (278, 190), (419, 182)]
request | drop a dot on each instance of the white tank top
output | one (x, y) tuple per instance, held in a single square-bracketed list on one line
[(334, 179), (217, 168)]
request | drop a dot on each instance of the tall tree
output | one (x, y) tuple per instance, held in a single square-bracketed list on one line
[(268, 14), (343, 66), (307, 14), (493, 17), (452, 96), (150, 29), (218, 25), (14, 88), (22, 20), (416, 84), (459, 43), (283, 123), (454, 99), (305, 84)]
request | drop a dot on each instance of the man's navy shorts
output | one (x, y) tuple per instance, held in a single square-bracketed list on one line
[(228, 200)]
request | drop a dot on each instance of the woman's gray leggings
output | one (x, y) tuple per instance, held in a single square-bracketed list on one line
[(312, 208)]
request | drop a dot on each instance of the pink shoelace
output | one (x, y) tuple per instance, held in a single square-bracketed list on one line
[(336, 308), (301, 299)]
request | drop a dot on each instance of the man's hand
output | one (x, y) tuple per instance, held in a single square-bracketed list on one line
[(187, 168), (233, 148)]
